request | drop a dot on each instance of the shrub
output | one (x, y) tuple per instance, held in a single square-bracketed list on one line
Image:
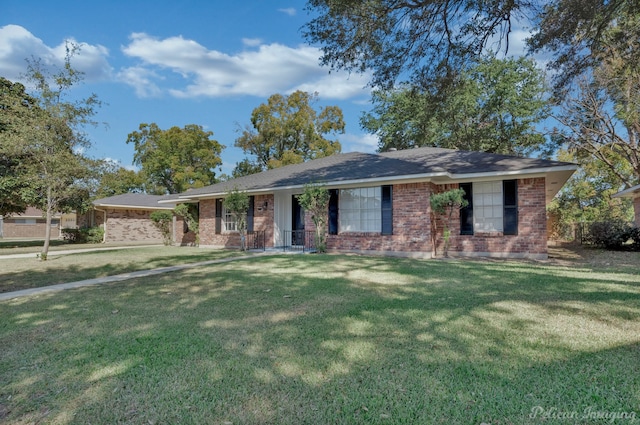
[(84, 235), (163, 220), (612, 234)]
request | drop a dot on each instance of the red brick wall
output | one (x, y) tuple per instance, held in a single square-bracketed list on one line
[(124, 225), (411, 229), (180, 237), (262, 221), (532, 228), (11, 229)]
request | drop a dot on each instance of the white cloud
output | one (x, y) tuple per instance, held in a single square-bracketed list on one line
[(288, 11), (17, 45), (367, 143), (252, 42), (268, 69), (141, 79)]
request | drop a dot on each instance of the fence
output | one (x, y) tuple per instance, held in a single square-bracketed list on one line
[(299, 240), (255, 240)]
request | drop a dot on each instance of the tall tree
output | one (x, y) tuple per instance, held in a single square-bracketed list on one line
[(288, 130), (15, 107), (493, 107), (113, 179), (47, 138), (176, 159), (423, 38), (426, 40)]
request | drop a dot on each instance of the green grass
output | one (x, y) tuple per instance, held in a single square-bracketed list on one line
[(328, 340), (24, 273)]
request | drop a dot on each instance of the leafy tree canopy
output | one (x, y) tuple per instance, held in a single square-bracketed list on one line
[(425, 40), (492, 107), (176, 159), (288, 130)]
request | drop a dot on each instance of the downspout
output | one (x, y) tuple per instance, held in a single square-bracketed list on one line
[(104, 224)]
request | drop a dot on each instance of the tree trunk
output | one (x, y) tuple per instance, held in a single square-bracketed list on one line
[(47, 230)]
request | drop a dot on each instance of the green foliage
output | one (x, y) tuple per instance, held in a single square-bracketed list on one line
[(163, 220), (288, 130), (613, 235), (444, 204), (587, 195), (315, 201), (84, 235), (42, 137), (237, 203), (493, 106), (112, 179), (176, 159), (189, 212)]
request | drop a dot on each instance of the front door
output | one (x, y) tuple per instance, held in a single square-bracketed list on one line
[(297, 222)]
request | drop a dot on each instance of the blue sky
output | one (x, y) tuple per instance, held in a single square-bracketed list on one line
[(174, 63)]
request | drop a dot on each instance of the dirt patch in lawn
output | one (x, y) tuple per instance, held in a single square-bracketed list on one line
[(572, 254)]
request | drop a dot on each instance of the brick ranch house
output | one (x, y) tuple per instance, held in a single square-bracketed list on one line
[(380, 202), (127, 218), (633, 193), (32, 224)]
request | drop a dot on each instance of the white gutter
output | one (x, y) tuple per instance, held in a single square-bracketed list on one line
[(140, 207), (412, 178), (628, 193)]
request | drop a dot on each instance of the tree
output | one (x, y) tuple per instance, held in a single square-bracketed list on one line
[(586, 197), (176, 159), (493, 107), (237, 204), (444, 204), (163, 220), (287, 130), (602, 120), (113, 179), (45, 140), (15, 106), (580, 35), (315, 201), (427, 41), (189, 213)]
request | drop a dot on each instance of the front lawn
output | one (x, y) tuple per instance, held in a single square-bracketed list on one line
[(24, 273), (326, 340)]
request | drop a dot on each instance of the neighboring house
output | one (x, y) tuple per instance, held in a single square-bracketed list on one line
[(380, 202), (32, 224), (634, 193), (127, 218)]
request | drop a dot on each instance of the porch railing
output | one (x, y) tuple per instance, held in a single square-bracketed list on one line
[(255, 240), (299, 240)]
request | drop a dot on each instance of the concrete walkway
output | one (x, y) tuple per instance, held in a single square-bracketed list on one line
[(118, 277), (71, 251)]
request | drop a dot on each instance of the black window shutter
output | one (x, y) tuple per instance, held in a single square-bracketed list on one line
[(333, 211), (252, 200), (466, 213), (510, 204), (218, 216), (387, 210)]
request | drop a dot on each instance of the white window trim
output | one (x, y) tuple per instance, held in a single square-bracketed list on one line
[(488, 207), (370, 213)]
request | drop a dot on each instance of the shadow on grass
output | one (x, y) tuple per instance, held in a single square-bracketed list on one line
[(56, 269), (326, 339)]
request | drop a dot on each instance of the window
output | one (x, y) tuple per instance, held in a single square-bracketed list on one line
[(487, 207), (493, 207), (360, 210), (25, 221), (230, 224)]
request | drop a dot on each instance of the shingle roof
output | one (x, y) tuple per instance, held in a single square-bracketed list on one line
[(357, 166), (133, 200)]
